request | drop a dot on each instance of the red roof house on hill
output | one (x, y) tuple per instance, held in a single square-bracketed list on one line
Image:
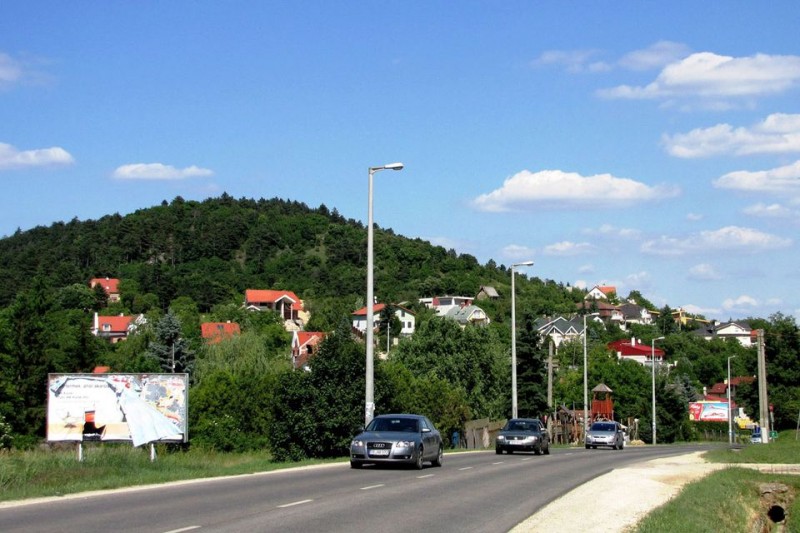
[(285, 303), (110, 286), (215, 332), (636, 351), (115, 328), (305, 345)]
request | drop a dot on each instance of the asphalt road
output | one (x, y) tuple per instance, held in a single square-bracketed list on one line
[(473, 492)]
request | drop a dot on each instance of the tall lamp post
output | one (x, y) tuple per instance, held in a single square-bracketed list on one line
[(653, 369), (514, 340), (730, 417), (369, 396), (586, 375)]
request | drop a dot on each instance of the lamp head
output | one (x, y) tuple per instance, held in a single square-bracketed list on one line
[(394, 166)]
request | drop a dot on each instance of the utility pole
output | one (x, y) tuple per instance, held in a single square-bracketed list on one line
[(550, 376), (763, 401)]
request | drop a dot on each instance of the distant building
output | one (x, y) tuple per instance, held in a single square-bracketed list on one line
[(116, 328), (215, 332), (110, 287), (634, 350)]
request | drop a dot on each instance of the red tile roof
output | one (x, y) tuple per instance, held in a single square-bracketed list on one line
[(214, 332), (110, 285), (116, 324), (628, 348), (268, 296), (377, 308)]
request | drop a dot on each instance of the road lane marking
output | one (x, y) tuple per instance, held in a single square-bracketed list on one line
[(181, 530), (498, 463), (426, 475), (466, 468), (301, 502), (373, 487)]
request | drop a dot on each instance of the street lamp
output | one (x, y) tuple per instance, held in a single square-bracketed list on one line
[(730, 418), (514, 340), (653, 369), (369, 396), (586, 374)]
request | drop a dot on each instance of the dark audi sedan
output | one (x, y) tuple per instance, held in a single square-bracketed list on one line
[(523, 435), (397, 439)]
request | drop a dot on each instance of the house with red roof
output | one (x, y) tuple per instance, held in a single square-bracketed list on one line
[(634, 350), (406, 317), (601, 292), (109, 285), (305, 345), (285, 303), (216, 332), (116, 328)]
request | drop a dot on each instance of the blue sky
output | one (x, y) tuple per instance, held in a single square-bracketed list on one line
[(647, 145)]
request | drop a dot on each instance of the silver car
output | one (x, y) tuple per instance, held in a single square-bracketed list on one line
[(605, 433), (397, 439)]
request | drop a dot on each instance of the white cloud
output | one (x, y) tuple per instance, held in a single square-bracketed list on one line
[(778, 133), (771, 211), (779, 181), (558, 189), (572, 60), (158, 171), (609, 231), (697, 310), (694, 217), (10, 70), (727, 239), (655, 56), (10, 157), (567, 248), (516, 252), (739, 304), (710, 75), (703, 272)]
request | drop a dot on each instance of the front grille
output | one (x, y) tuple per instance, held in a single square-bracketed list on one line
[(379, 445)]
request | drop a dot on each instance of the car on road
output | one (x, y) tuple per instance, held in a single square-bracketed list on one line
[(523, 435), (397, 439), (605, 433)]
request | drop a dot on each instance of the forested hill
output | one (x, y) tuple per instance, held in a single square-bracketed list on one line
[(212, 251)]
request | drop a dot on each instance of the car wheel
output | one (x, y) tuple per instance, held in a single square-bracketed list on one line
[(538, 451), (420, 459), (439, 458), (547, 449), (498, 451), (354, 464)]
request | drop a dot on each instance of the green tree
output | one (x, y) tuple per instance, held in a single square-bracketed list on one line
[(169, 347)]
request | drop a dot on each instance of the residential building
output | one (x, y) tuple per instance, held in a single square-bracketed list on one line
[(286, 303), (487, 293), (601, 292), (116, 328), (406, 317), (633, 313), (305, 345), (216, 332), (560, 329), (469, 314), (109, 285), (443, 304), (634, 350), (740, 331)]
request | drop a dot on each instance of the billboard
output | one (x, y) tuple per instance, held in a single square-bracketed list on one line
[(708, 411), (139, 408)]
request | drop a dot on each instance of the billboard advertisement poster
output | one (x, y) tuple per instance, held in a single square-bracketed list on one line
[(138, 408), (708, 411)]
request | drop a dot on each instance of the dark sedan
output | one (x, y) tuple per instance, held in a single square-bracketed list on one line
[(521, 435), (397, 439)]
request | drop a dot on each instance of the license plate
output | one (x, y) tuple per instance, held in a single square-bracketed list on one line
[(379, 452)]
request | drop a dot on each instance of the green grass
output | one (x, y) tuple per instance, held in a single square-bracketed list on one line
[(729, 499), (40, 473)]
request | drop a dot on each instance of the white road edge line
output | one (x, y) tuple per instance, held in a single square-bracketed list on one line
[(426, 475), (498, 463), (373, 487), (466, 468), (188, 528), (301, 502)]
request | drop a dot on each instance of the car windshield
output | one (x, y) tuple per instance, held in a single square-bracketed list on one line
[(408, 425), (521, 425), (603, 427)]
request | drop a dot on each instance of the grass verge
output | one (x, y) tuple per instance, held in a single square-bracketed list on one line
[(41, 473), (730, 499)]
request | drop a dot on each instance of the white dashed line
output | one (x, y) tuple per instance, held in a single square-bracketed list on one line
[(372, 487), (301, 502), (181, 530)]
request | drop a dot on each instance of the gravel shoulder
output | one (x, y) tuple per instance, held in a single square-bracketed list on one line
[(621, 497)]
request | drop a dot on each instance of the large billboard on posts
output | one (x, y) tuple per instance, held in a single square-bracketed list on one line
[(708, 411), (139, 408)]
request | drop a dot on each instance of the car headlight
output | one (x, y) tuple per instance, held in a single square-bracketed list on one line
[(404, 444), (501, 437), (357, 443)]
